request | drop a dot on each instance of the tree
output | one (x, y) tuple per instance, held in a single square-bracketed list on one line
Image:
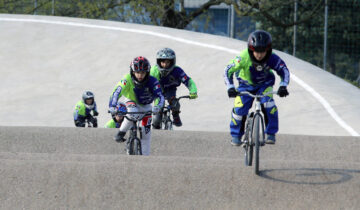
[(161, 13)]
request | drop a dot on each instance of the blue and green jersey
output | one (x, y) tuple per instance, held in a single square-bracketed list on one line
[(246, 74), (142, 95)]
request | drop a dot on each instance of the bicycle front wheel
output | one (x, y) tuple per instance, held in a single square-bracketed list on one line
[(257, 133), (168, 125), (137, 147), (248, 143)]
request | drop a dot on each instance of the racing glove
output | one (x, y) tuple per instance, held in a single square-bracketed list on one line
[(155, 109), (282, 91), (232, 92), (193, 95), (96, 113)]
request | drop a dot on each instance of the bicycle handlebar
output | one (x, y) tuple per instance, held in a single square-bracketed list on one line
[(125, 113), (256, 95), (183, 97)]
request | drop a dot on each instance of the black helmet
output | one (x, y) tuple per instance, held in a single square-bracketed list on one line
[(259, 41), (88, 95), (140, 64)]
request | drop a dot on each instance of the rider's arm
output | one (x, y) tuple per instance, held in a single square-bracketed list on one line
[(95, 112), (117, 92), (79, 111), (186, 80), (191, 86), (278, 65), (231, 68), (160, 100)]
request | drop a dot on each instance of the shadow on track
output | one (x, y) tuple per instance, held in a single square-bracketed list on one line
[(309, 176)]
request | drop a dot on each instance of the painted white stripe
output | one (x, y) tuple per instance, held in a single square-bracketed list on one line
[(326, 105)]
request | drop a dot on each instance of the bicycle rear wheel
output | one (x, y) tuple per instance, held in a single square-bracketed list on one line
[(256, 137)]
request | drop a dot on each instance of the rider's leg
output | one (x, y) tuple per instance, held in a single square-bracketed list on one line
[(170, 95), (272, 126), (175, 109), (241, 108)]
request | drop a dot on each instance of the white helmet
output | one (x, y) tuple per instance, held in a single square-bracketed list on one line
[(88, 95), (166, 54)]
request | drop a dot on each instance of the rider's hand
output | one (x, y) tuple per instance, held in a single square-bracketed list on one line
[(282, 91), (112, 110), (232, 92), (193, 95), (96, 113), (155, 109)]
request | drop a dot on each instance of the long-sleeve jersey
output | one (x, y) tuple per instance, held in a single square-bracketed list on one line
[(173, 79), (81, 110), (246, 74), (140, 95)]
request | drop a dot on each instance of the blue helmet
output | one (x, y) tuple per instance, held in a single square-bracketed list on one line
[(121, 109)]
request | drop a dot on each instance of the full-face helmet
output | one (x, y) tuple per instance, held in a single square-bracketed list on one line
[(165, 54), (140, 64), (259, 41), (86, 96)]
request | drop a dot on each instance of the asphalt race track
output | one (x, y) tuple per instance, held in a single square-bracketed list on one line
[(47, 163)]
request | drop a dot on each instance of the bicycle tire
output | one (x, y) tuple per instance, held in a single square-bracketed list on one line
[(137, 147), (256, 135), (130, 146), (168, 124), (249, 146), (165, 125), (163, 121)]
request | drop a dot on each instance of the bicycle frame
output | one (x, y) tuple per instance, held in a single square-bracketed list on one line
[(166, 121), (133, 143), (254, 130), (89, 123)]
